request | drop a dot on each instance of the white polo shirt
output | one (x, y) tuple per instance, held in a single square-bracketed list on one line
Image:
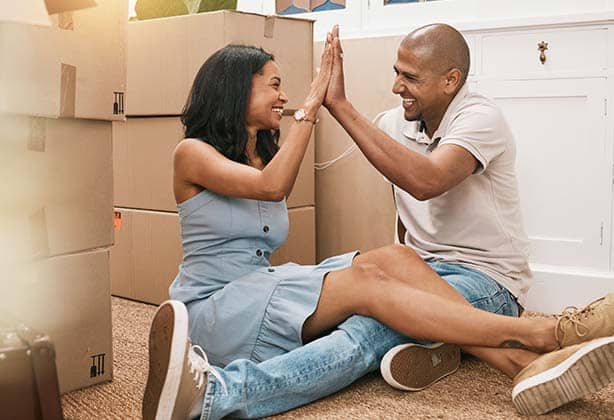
[(477, 223)]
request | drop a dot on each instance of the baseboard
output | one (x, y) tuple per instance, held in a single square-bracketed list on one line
[(555, 288)]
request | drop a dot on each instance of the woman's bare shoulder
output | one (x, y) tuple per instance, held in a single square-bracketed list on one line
[(189, 149), (190, 144)]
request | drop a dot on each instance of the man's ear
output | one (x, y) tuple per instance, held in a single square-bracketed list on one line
[(453, 80)]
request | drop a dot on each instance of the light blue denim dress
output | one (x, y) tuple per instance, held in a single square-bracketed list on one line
[(239, 305)]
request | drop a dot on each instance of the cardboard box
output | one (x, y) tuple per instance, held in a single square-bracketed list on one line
[(74, 68), (354, 204), (57, 197), (143, 164), (300, 247), (164, 55), (146, 255), (32, 12), (67, 297), (35, 12), (147, 251)]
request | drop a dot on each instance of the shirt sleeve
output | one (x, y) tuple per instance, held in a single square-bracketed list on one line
[(481, 130), (379, 121)]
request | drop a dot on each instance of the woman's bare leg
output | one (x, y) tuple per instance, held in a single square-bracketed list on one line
[(402, 262), (395, 286)]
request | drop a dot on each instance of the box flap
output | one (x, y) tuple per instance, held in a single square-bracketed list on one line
[(59, 6)]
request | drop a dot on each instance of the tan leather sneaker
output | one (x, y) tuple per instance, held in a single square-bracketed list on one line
[(579, 325), (565, 375), (178, 370), (412, 367)]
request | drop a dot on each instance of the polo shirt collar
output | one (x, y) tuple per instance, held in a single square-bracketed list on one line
[(416, 130)]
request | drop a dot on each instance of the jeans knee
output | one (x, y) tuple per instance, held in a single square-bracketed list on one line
[(374, 337)]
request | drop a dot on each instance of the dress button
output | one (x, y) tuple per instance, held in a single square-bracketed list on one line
[(265, 229), (271, 270), (259, 252)]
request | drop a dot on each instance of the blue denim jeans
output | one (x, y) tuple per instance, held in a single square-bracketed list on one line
[(332, 362)]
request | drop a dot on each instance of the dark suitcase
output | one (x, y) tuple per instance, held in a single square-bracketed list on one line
[(28, 379)]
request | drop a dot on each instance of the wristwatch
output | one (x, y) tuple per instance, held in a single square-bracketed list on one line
[(301, 115)]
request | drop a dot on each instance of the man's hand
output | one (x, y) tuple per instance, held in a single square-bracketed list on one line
[(336, 89)]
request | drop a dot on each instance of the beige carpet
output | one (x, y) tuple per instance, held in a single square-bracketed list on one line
[(474, 392)]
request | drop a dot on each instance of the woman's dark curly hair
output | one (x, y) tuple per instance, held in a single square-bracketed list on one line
[(217, 105)]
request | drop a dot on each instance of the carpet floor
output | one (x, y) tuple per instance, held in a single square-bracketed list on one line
[(475, 391)]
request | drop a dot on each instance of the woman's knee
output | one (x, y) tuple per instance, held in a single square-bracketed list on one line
[(370, 280), (398, 253), (404, 251), (389, 254), (368, 272)]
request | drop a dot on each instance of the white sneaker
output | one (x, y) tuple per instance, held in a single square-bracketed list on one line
[(178, 370), (412, 367)]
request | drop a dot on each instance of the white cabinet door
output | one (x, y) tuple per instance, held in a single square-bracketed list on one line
[(564, 164), (568, 51)]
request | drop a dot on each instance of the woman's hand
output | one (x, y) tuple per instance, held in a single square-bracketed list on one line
[(316, 95), (336, 88)]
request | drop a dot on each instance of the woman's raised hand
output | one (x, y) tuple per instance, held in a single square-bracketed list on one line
[(316, 95)]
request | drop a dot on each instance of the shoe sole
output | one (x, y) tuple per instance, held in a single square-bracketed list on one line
[(412, 367), (167, 347), (587, 370)]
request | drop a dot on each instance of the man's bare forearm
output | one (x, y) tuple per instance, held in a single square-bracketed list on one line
[(410, 171)]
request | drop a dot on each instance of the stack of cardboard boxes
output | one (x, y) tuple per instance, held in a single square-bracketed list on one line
[(163, 57), (60, 88)]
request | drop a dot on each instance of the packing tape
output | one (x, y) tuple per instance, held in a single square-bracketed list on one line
[(66, 21), (38, 132), (269, 27), (38, 234), (68, 90)]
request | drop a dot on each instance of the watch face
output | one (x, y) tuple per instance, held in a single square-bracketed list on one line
[(299, 114)]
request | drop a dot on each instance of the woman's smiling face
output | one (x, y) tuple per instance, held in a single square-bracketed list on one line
[(266, 100)]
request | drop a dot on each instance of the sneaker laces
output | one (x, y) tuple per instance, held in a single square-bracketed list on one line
[(199, 367), (573, 316)]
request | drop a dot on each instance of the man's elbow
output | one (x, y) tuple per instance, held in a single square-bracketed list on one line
[(423, 195), (427, 191)]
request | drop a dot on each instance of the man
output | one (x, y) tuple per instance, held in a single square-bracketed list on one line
[(450, 157), (483, 260)]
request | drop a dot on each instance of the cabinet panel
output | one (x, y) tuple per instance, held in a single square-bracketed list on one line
[(564, 166), (568, 51)]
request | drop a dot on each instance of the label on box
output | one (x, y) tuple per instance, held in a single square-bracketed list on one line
[(117, 220)]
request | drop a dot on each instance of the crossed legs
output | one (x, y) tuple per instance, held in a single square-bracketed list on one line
[(394, 285)]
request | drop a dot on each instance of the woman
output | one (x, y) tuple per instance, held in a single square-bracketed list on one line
[(230, 183)]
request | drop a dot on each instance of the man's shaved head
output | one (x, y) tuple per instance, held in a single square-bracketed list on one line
[(441, 47)]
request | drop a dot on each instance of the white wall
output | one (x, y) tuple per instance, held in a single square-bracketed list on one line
[(369, 17), (366, 18)]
